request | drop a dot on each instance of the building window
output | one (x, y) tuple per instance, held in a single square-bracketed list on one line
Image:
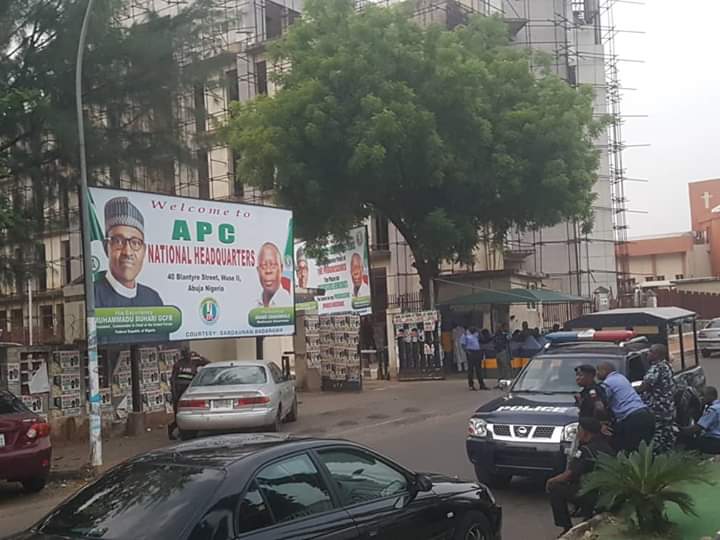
[(380, 232), (46, 317), (261, 78), (659, 278), (3, 322), (273, 20), (679, 276), (17, 320), (42, 271), (233, 90), (237, 185), (66, 261), (649, 278), (60, 318)]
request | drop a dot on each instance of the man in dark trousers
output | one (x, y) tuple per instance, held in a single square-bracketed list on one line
[(564, 487), (633, 421), (471, 343), (183, 373)]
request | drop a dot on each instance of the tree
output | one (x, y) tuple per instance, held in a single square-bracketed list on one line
[(642, 484), (445, 133), (132, 77)]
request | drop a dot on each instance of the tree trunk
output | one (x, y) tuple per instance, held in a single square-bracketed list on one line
[(428, 272)]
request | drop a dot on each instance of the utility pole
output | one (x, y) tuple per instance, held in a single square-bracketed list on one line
[(91, 330)]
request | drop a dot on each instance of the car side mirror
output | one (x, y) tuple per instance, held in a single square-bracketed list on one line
[(422, 483), (504, 384)]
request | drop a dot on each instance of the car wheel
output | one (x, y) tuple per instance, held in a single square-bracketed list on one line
[(473, 526), (33, 485), (494, 480), (293, 414), (187, 435), (275, 426)]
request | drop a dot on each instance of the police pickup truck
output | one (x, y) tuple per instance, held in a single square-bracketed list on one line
[(529, 430)]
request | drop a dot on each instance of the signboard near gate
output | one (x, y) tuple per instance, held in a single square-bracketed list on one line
[(171, 268)]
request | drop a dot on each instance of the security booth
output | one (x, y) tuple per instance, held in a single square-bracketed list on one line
[(676, 328)]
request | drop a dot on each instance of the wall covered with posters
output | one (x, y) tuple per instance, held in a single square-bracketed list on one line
[(54, 383)]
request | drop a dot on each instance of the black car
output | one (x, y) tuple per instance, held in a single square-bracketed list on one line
[(529, 430), (262, 487)]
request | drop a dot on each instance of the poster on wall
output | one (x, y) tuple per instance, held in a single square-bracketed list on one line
[(344, 274), (171, 269)]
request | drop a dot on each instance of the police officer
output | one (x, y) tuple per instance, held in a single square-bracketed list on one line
[(591, 400), (563, 488), (183, 373), (706, 431)]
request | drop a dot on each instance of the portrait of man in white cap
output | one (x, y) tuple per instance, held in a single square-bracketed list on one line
[(301, 268), (125, 249), (357, 274), (270, 271)]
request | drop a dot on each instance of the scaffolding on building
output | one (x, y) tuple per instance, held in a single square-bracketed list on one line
[(581, 34)]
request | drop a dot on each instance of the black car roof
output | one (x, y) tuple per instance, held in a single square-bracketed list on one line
[(628, 317), (224, 451)]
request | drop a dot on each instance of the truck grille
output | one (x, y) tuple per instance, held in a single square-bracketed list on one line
[(520, 432)]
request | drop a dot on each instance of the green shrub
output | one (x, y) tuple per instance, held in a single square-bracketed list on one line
[(641, 484)]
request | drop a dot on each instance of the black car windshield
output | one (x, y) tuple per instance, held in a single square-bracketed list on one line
[(138, 500), (554, 374), (227, 376)]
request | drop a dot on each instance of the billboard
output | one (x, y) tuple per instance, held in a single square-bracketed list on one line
[(343, 274), (171, 268)]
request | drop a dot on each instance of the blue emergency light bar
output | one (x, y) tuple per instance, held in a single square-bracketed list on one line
[(590, 335)]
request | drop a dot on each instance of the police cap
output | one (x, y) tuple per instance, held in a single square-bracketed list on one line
[(586, 368)]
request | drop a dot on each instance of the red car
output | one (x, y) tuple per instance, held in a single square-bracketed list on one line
[(25, 448)]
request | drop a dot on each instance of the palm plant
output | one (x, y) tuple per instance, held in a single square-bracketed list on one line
[(641, 484)]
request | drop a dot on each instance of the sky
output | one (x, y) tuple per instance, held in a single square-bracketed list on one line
[(671, 77)]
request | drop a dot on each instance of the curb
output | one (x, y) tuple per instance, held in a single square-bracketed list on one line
[(579, 530), (85, 472)]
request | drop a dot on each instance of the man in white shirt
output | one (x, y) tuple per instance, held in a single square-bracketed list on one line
[(270, 268), (360, 288)]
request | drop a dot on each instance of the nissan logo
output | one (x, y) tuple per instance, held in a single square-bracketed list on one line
[(522, 430)]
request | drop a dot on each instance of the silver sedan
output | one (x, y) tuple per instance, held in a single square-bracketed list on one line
[(227, 396)]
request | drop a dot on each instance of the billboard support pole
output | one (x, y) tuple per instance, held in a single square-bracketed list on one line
[(135, 379), (95, 419)]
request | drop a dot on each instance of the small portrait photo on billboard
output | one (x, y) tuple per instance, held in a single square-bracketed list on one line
[(274, 291), (124, 243), (359, 277), (301, 268)]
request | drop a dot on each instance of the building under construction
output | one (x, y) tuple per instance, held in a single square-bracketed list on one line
[(578, 35)]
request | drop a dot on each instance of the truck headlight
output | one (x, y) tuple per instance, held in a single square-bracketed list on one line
[(477, 427), (569, 432)]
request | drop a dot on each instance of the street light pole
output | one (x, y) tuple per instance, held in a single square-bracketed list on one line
[(95, 420)]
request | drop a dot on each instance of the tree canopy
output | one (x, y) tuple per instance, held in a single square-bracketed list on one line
[(444, 132), (132, 77)]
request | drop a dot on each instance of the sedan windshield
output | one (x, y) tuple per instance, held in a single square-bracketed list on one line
[(227, 376), (553, 374), (136, 500)]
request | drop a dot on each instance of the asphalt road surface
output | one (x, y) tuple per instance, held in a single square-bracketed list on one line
[(421, 425)]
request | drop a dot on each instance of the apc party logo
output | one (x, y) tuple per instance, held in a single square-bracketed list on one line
[(209, 311)]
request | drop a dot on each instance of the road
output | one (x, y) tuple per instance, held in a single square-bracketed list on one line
[(421, 425)]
